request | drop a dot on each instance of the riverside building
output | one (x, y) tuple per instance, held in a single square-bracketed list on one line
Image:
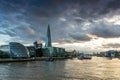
[(49, 50), (15, 50)]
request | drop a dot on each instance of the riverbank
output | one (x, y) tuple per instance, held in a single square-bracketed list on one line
[(30, 59)]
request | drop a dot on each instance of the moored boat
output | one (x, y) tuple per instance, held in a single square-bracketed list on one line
[(50, 59), (84, 56)]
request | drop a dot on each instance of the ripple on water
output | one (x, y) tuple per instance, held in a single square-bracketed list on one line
[(95, 69)]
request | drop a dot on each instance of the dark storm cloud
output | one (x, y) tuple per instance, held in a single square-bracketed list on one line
[(105, 30), (112, 45), (79, 37), (52, 8), (113, 5), (28, 19)]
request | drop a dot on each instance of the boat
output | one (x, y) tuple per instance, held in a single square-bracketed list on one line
[(50, 59), (84, 56), (70, 57)]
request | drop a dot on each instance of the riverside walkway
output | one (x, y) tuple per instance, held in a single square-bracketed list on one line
[(29, 59)]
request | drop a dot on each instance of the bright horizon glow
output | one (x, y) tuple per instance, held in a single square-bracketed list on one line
[(95, 45)]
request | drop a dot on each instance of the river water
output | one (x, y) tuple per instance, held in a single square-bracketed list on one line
[(97, 68)]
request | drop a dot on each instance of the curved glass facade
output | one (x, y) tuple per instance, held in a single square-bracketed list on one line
[(18, 50)]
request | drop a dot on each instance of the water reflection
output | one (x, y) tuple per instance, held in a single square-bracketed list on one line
[(97, 68)]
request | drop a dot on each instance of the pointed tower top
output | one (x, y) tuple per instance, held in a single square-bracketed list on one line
[(48, 25), (48, 38)]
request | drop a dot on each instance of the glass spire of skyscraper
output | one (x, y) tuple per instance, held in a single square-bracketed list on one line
[(48, 38)]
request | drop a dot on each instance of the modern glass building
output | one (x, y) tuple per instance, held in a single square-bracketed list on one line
[(50, 51), (5, 48), (4, 51), (14, 50), (18, 50), (53, 51), (48, 38)]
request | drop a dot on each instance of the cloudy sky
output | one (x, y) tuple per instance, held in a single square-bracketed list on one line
[(84, 25)]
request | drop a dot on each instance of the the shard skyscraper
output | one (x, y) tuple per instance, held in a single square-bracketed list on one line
[(49, 50), (48, 38)]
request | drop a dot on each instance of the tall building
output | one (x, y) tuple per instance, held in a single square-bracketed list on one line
[(50, 51), (48, 38)]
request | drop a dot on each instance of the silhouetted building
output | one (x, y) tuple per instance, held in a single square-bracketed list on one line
[(39, 52), (35, 44), (32, 51)]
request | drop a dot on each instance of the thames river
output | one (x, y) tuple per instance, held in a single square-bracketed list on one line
[(97, 68)]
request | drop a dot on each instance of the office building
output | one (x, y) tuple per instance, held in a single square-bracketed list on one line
[(50, 51), (15, 50)]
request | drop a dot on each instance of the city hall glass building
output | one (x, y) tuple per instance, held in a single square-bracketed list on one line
[(15, 50)]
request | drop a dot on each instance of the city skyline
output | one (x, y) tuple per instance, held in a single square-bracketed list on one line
[(82, 25)]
